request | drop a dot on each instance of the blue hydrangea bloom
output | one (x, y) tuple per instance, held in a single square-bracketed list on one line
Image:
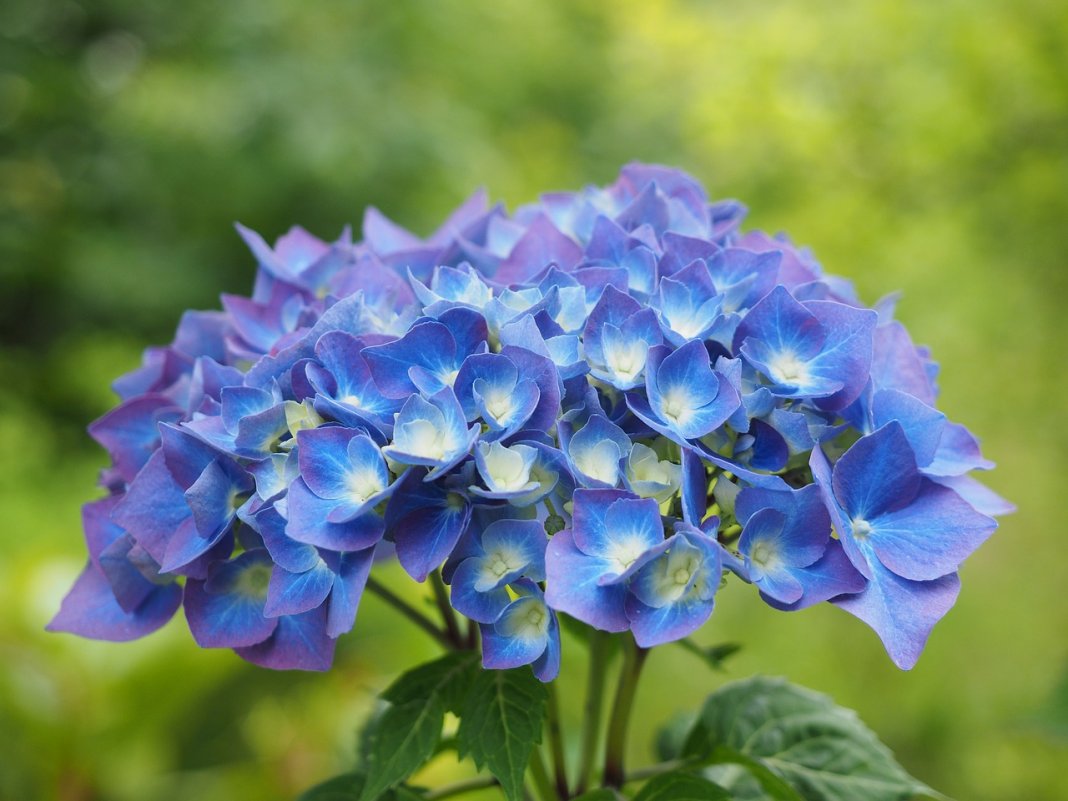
[(597, 406)]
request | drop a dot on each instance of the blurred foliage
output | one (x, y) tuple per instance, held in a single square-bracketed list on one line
[(914, 145)]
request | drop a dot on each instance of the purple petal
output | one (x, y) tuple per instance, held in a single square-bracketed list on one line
[(90, 610)]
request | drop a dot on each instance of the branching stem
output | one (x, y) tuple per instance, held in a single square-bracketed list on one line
[(441, 596), (409, 611)]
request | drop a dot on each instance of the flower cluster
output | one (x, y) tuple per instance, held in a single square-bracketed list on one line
[(597, 406)]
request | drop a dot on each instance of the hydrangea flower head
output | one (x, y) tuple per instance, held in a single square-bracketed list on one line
[(602, 405)]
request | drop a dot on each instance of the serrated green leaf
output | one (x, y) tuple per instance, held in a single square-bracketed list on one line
[(679, 786), (820, 750), (346, 787), (406, 732), (500, 723), (403, 738), (448, 678)]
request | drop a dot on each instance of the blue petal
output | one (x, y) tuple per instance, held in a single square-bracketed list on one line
[(526, 539), (505, 647), (211, 499), (599, 447), (846, 354), (425, 521), (482, 607), (153, 507), (293, 593), (130, 432), (831, 576), (931, 536), (226, 610), (806, 527), (687, 370), (958, 453), (592, 531), (309, 523), (128, 583), (499, 372), (782, 325), (186, 546), (694, 490), (545, 376), (877, 474), (821, 473), (572, 585), (983, 499), (299, 642), (324, 460), (922, 424), (613, 308), (902, 612), (672, 622), (351, 573), (285, 551), (429, 345)]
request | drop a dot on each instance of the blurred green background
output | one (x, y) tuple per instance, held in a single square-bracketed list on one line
[(914, 145)]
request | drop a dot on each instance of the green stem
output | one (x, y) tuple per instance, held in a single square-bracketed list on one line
[(600, 645), (461, 787), (540, 776), (441, 595), (556, 740), (410, 612), (615, 748)]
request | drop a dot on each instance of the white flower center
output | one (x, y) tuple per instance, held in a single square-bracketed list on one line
[(423, 438), (499, 405), (506, 468), (363, 484), (762, 554), (786, 368), (625, 552), (600, 462), (862, 529), (676, 405), (627, 362), (687, 327)]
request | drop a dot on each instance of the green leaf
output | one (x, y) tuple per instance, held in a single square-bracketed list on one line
[(781, 732), (713, 655), (500, 723), (448, 677), (346, 787), (673, 735), (404, 737), (405, 734), (678, 786)]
